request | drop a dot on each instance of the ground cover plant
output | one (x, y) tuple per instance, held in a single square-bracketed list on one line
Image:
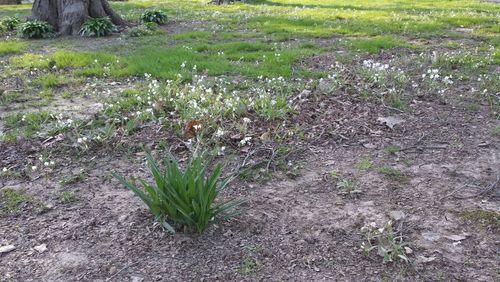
[(185, 197), (361, 135)]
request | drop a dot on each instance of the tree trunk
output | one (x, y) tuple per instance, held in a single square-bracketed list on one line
[(67, 16), (10, 2)]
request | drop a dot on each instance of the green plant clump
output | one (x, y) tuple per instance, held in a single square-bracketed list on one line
[(35, 29), (154, 16), (183, 197), (10, 23), (97, 27), (146, 29)]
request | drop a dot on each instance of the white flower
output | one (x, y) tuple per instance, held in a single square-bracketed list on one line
[(46, 163), (245, 141), (219, 133), (221, 151), (4, 169), (33, 168)]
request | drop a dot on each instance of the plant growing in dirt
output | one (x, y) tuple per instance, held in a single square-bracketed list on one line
[(154, 16), (387, 241), (184, 197), (97, 27), (148, 28), (35, 29)]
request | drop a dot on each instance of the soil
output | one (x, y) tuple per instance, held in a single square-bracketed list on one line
[(295, 227), (292, 229)]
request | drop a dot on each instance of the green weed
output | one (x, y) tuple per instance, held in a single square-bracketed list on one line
[(365, 164), (388, 243), (393, 174), (67, 197), (11, 200)]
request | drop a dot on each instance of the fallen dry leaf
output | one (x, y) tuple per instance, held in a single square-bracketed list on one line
[(191, 129)]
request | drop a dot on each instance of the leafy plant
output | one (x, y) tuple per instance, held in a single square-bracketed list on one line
[(97, 27), (35, 29), (148, 28), (183, 197), (386, 241), (154, 16), (365, 164), (348, 187), (10, 23), (67, 197)]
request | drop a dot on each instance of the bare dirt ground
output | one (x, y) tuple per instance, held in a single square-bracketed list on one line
[(294, 229), (443, 195)]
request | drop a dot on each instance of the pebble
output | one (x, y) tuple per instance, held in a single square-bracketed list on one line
[(6, 249), (397, 215), (40, 248)]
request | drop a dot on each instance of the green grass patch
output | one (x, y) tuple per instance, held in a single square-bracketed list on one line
[(50, 80), (394, 174), (375, 44), (11, 200), (25, 124), (11, 47), (192, 35)]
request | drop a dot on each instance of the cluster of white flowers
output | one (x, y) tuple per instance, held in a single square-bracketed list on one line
[(432, 74), (245, 141), (82, 140), (448, 80), (370, 64)]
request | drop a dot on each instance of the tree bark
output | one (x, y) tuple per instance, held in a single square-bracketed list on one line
[(67, 16)]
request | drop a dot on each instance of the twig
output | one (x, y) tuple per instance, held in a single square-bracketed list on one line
[(424, 147), (453, 192), (391, 108), (488, 189), (251, 153)]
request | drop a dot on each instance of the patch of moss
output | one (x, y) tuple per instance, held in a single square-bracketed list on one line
[(482, 217)]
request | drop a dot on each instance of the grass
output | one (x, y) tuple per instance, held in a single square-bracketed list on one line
[(12, 200), (67, 197), (393, 174), (375, 44), (50, 80), (250, 265), (26, 125), (11, 47), (365, 164), (392, 149)]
